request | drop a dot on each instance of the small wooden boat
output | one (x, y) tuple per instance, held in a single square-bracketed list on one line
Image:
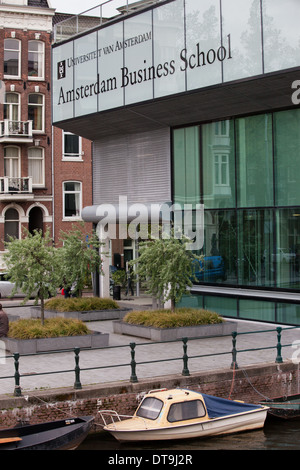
[(64, 434), (181, 414), (287, 407)]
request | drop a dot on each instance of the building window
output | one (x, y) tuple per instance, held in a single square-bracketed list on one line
[(12, 58), (36, 111), (72, 199), (221, 170), (11, 226), (12, 162), (71, 146), (12, 107), (36, 60), (36, 166)]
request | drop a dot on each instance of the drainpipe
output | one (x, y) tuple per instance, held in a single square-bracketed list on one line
[(52, 177)]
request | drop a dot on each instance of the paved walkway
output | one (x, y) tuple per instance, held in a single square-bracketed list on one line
[(100, 364)]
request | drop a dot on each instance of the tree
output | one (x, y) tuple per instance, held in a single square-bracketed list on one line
[(32, 265), (167, 267), (79, 257)]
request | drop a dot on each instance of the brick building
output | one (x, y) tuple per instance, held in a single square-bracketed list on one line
[(44, 171)]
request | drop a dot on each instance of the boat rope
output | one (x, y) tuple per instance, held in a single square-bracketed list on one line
[(232, 382), (247, 378), (259, 393)]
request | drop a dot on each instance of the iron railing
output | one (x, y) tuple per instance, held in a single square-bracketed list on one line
[(96, 16), (132, 364)]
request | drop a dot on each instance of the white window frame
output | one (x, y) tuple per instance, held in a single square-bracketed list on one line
[(77, 216), (10, 158), (71, 157), (220, 164), (42, 158), (39, 53), (19, 59), (11, 105), (42, 106)]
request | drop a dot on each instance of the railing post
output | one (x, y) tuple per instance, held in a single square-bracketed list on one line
[(185, 370), (77, 384), (17, 391), (133, 377), (234, 351), (279, 357)]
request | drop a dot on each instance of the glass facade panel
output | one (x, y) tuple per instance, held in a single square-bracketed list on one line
[(257, 310), (202, 35), (168, 35), (219, 249), (288, 313), (287, 157), (254, 161), (287, 252), (218, 164), (255, 248), (281, 34), (224, 306), (244, 28), (186, 166)]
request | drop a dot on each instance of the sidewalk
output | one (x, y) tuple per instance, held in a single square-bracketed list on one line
[(119, 353)]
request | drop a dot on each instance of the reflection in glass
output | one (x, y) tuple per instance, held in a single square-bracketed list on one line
[(244, 26), (186, 166), (287, 156), (168, 37), (219, 250), (254, 161), (218, 164), (202, 29), (288, 248), (255, 248), (281, 34)]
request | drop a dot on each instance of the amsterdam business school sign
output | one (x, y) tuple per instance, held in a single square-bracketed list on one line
[(128, 77), (143, 57)]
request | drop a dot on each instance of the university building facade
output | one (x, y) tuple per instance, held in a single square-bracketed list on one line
[(192, 102)]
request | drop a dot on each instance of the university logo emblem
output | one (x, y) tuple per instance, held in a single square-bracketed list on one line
[(61, 69)]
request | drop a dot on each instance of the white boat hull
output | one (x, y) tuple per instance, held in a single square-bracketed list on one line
[(212, 427)]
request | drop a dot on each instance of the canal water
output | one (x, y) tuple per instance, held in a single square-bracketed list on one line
[(276, 435)]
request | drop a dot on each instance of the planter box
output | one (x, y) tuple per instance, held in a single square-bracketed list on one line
[(169, 334), (91, 315), (31, 346)]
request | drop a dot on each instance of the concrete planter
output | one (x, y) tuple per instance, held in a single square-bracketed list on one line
[(169, 334), (32, 346), (91, 315)]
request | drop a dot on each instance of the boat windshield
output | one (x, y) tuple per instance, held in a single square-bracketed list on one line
[(186, 410), (150, 408)]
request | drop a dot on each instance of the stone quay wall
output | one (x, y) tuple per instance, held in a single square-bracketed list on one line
[(251, 384)]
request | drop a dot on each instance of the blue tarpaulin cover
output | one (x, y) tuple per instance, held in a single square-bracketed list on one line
[(217, 407)]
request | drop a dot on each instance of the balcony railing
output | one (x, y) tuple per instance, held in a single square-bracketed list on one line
[(12, 131), (10, 184)]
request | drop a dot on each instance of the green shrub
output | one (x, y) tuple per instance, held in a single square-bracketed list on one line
[(164, 318), (52, 328), (80, 304)]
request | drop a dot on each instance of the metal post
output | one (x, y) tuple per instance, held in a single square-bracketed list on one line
[(185, 370), (279, 357), (133, 377), (234, 351), (17, 391), (77, 384)]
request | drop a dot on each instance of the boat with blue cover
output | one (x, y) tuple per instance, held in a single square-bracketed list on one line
[(182, 414)]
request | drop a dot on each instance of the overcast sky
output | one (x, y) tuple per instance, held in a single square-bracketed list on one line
[(77, 6)]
